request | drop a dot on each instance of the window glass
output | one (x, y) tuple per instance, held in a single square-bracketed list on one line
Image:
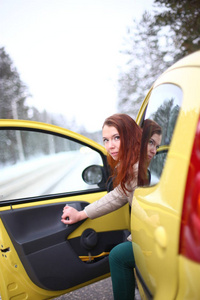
[(36, 163), (164, 106)]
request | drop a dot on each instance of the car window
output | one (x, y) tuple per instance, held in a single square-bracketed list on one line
[(38, 163), (163, 107)]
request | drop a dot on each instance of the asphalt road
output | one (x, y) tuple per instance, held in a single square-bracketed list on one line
[(101, 290)]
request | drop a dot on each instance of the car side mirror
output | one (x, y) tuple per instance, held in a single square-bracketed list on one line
[(94, 174)]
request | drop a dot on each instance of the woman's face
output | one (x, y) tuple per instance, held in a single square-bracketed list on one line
[(111, 140), (153, 145)]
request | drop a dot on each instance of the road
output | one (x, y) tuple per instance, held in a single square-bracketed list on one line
[(101, 290)]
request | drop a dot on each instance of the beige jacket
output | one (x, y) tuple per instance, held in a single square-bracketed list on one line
[(113, 200)]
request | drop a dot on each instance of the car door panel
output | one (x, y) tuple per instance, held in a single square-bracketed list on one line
[(51, 260)]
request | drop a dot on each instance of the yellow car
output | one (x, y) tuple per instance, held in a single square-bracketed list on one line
[(45, 167), (167, 249)]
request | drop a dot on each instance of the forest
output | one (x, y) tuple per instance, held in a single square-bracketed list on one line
[(150, 46)]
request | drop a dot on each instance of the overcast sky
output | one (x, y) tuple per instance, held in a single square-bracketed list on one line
[(67, 52)]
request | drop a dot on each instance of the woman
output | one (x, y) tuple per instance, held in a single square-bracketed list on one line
[(121, 257), (122, 139)]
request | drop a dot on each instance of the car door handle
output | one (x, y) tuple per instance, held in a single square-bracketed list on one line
[(161, 237)]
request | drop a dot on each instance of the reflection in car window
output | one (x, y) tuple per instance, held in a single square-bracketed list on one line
[(157, 165), (36, 163), (164, 106)]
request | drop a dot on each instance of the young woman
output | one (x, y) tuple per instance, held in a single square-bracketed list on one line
[(122, 139), (121, 257)]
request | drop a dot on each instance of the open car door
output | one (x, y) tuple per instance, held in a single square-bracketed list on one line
[(43, 168)]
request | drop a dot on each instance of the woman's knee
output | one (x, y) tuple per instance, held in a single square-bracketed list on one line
[(122, 254)]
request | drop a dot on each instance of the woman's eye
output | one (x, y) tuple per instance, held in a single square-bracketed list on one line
[(105, 141), (117, 137)]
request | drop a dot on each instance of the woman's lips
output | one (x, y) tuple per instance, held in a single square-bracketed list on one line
[(114, 154)]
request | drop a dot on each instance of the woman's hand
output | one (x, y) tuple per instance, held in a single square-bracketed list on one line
[(71, 215)]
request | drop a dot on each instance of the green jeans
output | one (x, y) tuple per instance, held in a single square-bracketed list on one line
[(122, 263)]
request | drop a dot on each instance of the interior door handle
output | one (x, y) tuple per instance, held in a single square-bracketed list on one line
[(161, 237)]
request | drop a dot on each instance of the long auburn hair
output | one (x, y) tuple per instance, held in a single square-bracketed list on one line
[(130, 139), (150, 128)]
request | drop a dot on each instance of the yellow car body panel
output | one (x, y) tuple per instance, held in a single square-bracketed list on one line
[(142, 109), (166, 273)]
